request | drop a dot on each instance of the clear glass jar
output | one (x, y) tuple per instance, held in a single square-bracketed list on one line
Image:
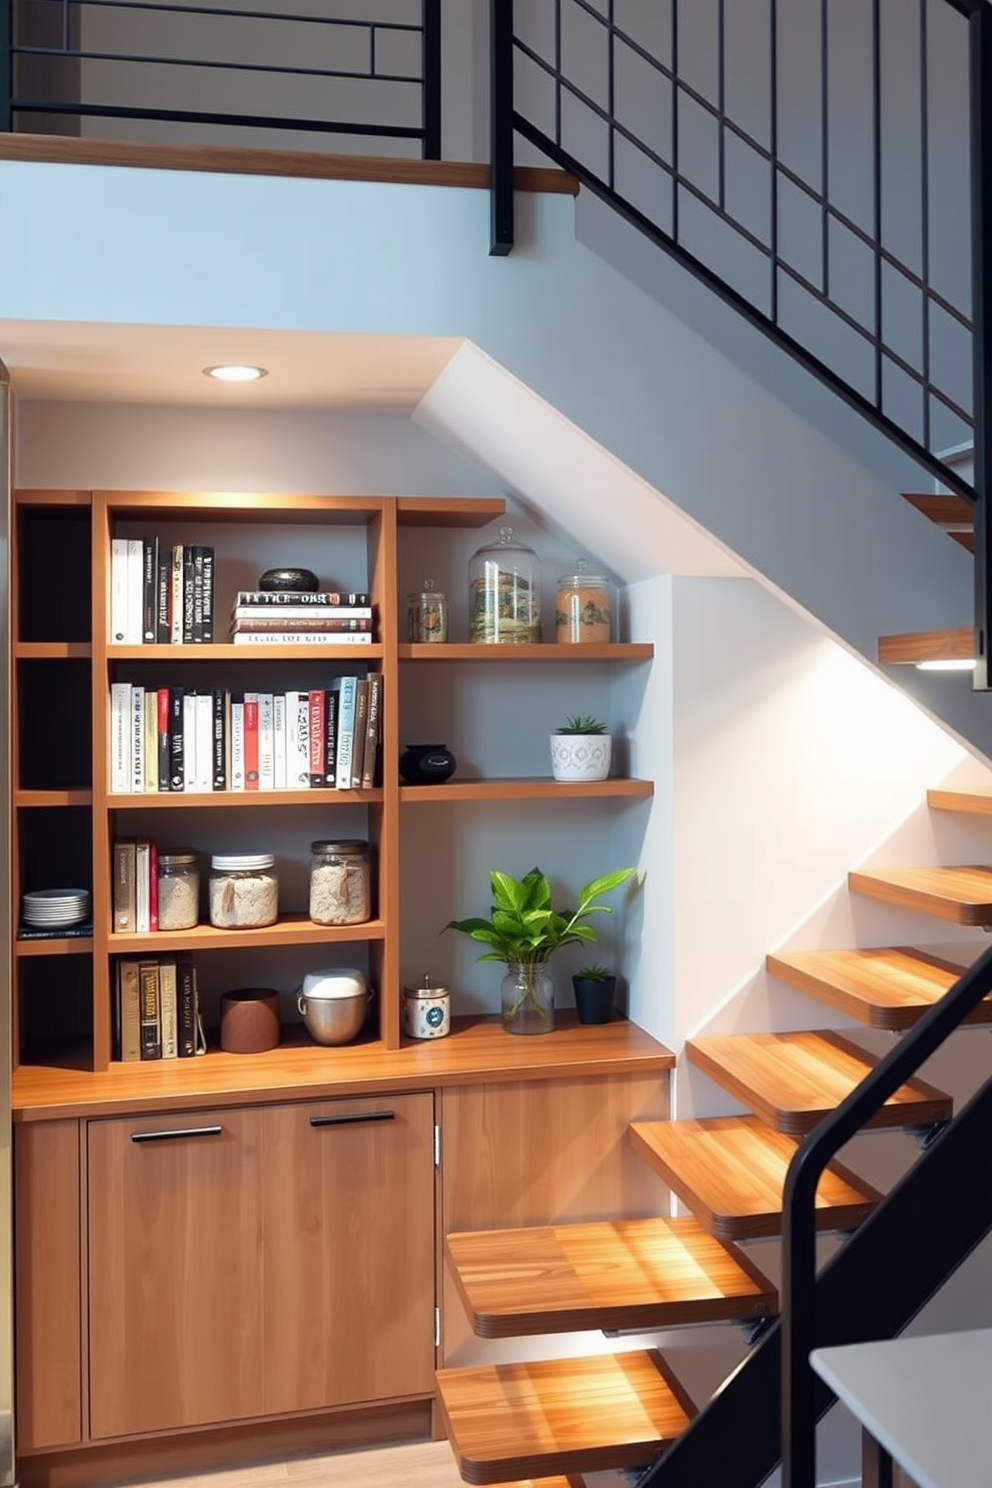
[(244, 891), (584, 607), (427, 614), (527, 998), (178, 891), (340, 882), (504, 606)]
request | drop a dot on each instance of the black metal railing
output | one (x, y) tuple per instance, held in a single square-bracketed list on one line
[(188, 67)]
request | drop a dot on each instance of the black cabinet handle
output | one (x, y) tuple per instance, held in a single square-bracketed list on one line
[(180, 1131), (352, 1118)]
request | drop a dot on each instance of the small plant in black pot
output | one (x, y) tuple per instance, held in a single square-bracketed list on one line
[(595, 990)]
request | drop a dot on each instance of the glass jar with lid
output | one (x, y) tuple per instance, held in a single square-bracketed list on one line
[(340, 882), (584, 607), (427, 615), (244, 890), (178, 890), (504, 592)]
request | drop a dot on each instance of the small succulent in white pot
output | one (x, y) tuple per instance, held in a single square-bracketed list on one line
[(581, 749)]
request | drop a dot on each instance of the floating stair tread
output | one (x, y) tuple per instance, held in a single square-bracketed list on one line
[(971, 802), (639, 1273), (546, 1416), (793, 1080), (945, 510), (885, 987), (730, 1171), (962, 895), (954, 644)]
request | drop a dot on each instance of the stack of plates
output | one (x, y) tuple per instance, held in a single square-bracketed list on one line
[(54, 909)]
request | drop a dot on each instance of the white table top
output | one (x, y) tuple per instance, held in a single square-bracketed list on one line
[(927, 1400)]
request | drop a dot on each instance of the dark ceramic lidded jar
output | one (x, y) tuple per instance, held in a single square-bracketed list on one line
[(427, 764)]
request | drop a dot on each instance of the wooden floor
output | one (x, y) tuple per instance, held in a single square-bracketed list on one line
[(409, 1465)]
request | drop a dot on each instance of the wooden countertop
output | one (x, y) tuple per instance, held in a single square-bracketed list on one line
[(476, 1052)]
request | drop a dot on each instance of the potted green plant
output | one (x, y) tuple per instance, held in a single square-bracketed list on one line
[(581, 749), (524, 930), (595, 989)]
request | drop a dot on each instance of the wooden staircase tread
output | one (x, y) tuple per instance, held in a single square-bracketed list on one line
[(730, 1171), (957, 643), (546, 1416), (612, 1274), (960, 894), (972, 802), (793, 1080), (886, 987), (943, 508)]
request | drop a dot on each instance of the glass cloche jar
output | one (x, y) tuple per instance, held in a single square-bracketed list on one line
[(504, 592)]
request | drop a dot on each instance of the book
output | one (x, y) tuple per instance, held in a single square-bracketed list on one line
[(149, 589), (292, 617), (168, 1006), (186, 1007), (164, 756), (359, 730), (317, 725), (330, 736), (120, 738), (275, 599), (237, 726), (189, 740), (266, 743), (151, 740), (196, 628), (373, 728), (345, 688), (129, 1014), (297, 741), (137, 784), (177, 747), (251, 741), (279, 741), (203, 770), (208, 594), (82, 931), (176, 595), (142, 887), (118, 590), (151, 1026), (302, 637), (124, 896), (220, 700), (134, 625), (153, 887), (163, 621)]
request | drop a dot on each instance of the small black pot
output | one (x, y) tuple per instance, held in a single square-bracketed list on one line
[(289, 580), (594, 998), (427, 764)]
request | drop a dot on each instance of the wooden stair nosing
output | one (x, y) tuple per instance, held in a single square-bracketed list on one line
[(793, 1080), (541, 1417), (730, 1171), (961, 894), (956, 643), (970, 802), (942, 508), (887, 987), (610, 1275)]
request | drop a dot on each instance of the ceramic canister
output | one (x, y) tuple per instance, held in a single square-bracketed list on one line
[(426, 1011)]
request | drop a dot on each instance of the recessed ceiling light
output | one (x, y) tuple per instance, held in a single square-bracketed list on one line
[(230, 372), (951, 664)]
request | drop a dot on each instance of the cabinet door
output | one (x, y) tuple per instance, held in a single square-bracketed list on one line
[(349, 1231), (176, 1269)]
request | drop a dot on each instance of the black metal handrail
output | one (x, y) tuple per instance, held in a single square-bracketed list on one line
[(52, 71), (798, 1315)]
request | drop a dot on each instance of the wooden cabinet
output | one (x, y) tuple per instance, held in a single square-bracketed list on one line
[(254, 1261)]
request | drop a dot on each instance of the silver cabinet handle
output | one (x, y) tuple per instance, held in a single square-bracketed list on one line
[(180, 1131), (352, 1117)]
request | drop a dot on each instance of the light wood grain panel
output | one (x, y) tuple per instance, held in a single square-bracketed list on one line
[(793, 1080), (956, 644), (646, 1273), (348, 1225), (305, 164), (289, 929), (238, 800), (47, 1285), (531, 651), (478, 1050), (448, 511), (962, 895), (102, 830), (971, 802), (730, 1171), (565, 1415), (519, 789), (885, 986)]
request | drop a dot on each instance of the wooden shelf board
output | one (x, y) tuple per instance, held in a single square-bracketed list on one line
[(52, 651), (250, 506), (477, 1051), (228, 651), (956, 644), (541, 788), (448, 511), (56, 797), (57, 946), (176, 800), (289, 929), (535, 651)]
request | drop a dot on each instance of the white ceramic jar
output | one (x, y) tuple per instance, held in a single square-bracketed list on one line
[(426, 1011)]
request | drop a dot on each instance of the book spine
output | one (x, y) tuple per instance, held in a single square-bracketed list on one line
[(124, 895), (186, 1006), (149, 589), (345, 687), (134, 629), (197, 628), (237, 742), (151, 740), (251, 741), (330, 736), (208, 594), (266, 744), (164, 757), (151, 1025), (82, 931), (317, 724), (169, 1006), (137, 740), (302, 638), (189, 589), (279, 741), (177, 748), (189, 741), (372, 731), (118, 590), (142, 888), (359, 730), (176, 595), (153, 887), (293, 616), (163, 622), (301, 766), (120, 738), (219, 699), (129, 999), (273, 599)]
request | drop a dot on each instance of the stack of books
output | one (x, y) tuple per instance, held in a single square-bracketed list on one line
[(297, 617), (157, 1009), (160, 594)]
